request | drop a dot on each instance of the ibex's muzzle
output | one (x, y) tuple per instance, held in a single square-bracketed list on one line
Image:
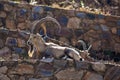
[(31, 49)]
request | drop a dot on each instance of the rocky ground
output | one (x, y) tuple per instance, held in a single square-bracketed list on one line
[(106, 7), (99, 30), (57, 70)]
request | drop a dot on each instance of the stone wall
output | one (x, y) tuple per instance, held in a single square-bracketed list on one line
[(103, 32), (57, 70)]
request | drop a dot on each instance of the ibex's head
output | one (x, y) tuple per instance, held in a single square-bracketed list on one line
[(33, 42)]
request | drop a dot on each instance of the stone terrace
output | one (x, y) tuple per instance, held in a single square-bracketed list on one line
[(57, 70), (103, 32)]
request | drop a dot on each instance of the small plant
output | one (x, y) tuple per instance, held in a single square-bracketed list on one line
[(82, 4)]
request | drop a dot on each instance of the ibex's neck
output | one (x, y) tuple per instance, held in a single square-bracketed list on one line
[(41, 47)]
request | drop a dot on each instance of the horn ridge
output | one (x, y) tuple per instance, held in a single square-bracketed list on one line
[(47, 18)]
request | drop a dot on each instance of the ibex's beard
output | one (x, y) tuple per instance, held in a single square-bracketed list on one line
[(31, 50)]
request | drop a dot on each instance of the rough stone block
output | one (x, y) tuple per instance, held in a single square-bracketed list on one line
[(3, 69), (8, 7), (118, 22), (38, 9), (70, 74), (97, 27), (81, 15), (22, 12), (112, 73), (111, 22), (114, 30), (105, 35), (22, 69), (104, 28), (92, 76), (22, 78), (1, 43), (21, 42), (117, 47), (34, 79), (1, 6), (82, 65), (90, 16), (100, 16), (35, 16), (10, 24), (45, 69), (3, 14), (91, 33), (11, 41), (73, 41), (39, 79), (74, 23), (118, 32), (101, 21), (14, 77), (64, 40), (18, 50), (87, 22), (99, 67), (21, 20), (65, 32), (22, 26), (1, 24), (79, 32), (3, 77), (15, 57), (63, 20), (46, 8), (111, 19), (60, 63), (71, 13), (96, 45), (4, 51), (9, 63), (117, 38)]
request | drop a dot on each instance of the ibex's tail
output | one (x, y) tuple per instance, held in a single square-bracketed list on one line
[(39, 22)]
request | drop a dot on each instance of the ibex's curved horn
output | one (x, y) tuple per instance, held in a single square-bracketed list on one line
[(89, 47), (83, 44), (48, 18)]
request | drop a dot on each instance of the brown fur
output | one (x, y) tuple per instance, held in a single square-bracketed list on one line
[(40, 46)]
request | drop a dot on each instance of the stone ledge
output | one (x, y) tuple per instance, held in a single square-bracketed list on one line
[(35, 69)]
